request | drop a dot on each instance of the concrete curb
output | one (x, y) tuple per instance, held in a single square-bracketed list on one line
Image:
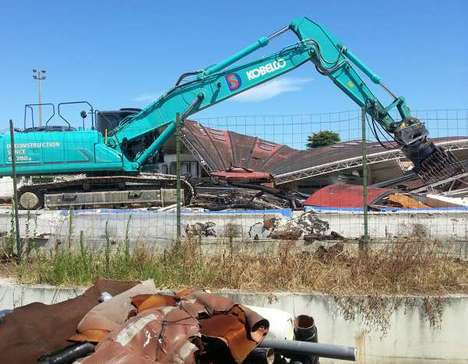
[(412, 334)]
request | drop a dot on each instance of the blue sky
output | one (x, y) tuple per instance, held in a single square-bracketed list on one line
[(125, 53)]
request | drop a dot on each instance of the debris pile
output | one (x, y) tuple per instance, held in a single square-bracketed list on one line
[(139, 324), (378, 199), (245, 196), (170, 328), (252, 173), (306, 226)]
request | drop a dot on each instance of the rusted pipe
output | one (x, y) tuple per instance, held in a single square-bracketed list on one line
[(305, 330)]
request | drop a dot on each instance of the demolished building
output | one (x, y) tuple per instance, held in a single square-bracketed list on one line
[(208, 150)]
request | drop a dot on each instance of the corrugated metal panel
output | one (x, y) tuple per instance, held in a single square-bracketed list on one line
[(222, 149), (218, 150)]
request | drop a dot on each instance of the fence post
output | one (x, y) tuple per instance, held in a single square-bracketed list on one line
[(365, 237), (19, 247), (178, 202)]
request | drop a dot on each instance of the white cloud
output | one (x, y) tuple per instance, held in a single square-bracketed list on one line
[(271, 89), (262, 92), (147, 97)]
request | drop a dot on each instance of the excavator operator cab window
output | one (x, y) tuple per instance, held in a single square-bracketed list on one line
[(50, 117), (106, 121)]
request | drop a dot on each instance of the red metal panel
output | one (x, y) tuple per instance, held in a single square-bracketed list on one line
[(243, 175), (344, 195)]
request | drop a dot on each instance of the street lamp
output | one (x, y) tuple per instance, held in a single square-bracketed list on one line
[(39, 75)]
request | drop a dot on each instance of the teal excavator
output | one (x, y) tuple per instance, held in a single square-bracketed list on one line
[(111, 162)]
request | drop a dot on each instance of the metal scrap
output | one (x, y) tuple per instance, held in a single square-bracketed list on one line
[(406, 201), (110, 314), (186, 327), (237, 195), (200, 229), (36, 329)]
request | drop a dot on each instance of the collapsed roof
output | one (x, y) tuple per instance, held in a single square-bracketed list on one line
[(218, 150)]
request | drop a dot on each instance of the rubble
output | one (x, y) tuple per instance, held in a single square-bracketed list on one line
[(306, 226), (218, 150), (253, 173), (244, 196)]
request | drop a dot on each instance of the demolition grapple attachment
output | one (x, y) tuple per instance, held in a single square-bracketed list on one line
[(431, 162)]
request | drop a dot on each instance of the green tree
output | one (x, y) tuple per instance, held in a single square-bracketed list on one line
[(322, 139)]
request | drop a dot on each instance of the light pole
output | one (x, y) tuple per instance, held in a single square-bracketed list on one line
[(39, 75)]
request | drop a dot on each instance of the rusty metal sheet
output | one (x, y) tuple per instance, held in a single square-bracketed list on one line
[(153, 336), (219, 150), (239, 174), (182, 328), (406, 201)]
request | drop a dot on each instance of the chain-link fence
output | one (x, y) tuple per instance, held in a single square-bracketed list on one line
[(285, 189), (293, 129), (399, 203)]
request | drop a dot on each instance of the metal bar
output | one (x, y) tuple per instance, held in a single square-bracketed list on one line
[(438, 183), (59, 112), (19, 248), (278, 32), (388, 91), (359, 64), (365, 207), (168, 132), (261, 42), (39, 98), (178, 127), (30, 107), (302, 347), (330, 167)]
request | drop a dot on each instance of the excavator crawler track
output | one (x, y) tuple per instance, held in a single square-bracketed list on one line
[(105, 191)]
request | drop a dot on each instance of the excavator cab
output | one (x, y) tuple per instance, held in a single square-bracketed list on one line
[(106, 121)]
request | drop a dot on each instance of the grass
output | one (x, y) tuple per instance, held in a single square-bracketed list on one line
[(408, 267)]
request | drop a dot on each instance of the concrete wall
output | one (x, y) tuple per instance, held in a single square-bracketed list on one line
[(140, 226), (159, 229), (435, 223), (410, 337)]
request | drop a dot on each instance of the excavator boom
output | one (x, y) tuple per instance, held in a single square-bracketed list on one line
[(139, 137), (201, 89)]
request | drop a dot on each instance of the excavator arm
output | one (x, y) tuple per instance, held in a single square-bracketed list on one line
[(195, 91)]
